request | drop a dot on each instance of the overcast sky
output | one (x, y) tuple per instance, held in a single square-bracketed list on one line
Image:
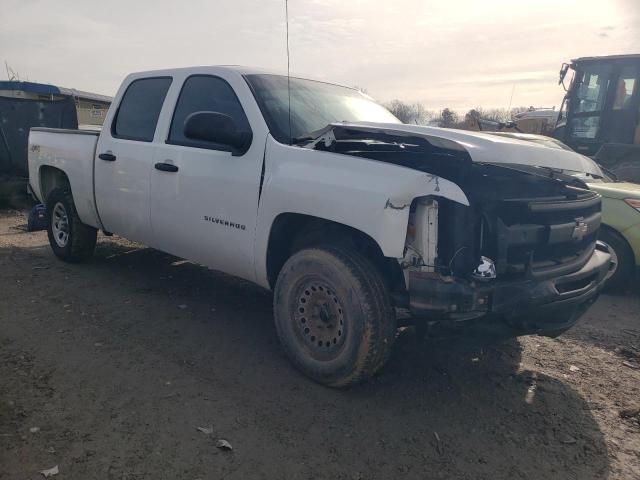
[(444, 53)]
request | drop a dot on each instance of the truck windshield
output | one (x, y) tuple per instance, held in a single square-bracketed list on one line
[(313, 105)]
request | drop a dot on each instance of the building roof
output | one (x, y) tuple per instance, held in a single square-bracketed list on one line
[(31, 87), (46, 89)]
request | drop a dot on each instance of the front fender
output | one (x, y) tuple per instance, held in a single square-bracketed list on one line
[(371, 196)]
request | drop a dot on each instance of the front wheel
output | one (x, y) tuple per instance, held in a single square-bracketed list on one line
[(70, 239), (333, 315)]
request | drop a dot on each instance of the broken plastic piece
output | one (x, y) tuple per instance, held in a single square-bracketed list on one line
[(50, 472), (486, 270), (222, 444)]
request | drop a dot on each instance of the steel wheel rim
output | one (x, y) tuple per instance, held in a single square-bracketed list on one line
[(60, 225), (319, 319)]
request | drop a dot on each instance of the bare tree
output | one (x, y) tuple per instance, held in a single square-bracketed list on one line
[(448, 118), (409, 112)]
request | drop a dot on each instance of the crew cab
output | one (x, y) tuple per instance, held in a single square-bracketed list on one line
[(357, 222)]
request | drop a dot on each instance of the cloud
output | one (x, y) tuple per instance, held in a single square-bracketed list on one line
[(459, 53)]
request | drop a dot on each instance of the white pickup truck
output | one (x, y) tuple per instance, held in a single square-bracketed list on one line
[(357, 222)]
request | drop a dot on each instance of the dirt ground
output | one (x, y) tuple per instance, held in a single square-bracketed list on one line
[(107, 370)]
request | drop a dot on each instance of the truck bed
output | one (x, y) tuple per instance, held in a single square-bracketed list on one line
[(68, 151)]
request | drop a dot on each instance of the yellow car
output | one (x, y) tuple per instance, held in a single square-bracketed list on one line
[(620, 229)]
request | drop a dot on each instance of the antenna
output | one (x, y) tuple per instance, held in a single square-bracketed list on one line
[(513, 89), (286, 13)]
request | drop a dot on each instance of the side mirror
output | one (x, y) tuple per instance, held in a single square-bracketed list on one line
[(563, 73), (217, 128)]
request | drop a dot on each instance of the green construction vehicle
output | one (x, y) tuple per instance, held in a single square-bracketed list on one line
[(600, 113)]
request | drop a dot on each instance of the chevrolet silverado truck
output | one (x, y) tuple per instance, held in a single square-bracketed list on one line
[(357, 222)]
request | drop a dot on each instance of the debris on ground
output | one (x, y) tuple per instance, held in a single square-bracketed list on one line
[(34, 429), (205, 430), (568, 440), (182, 306), (222, 444), (627, 352), (439, 447), (573, 368), (50, 472), (629, 412), (633, 365)]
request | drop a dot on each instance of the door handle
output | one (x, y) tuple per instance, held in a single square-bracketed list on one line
[(108, 157), (166, 167)]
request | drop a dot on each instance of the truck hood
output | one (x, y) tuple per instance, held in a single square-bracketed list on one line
[(481, 147)]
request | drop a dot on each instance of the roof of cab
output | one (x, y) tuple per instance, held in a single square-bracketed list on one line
[(239, 69)]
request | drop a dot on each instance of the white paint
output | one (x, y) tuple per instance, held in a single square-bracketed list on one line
[(71, 153)]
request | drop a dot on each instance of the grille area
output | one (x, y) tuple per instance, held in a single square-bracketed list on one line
[(547, 236)]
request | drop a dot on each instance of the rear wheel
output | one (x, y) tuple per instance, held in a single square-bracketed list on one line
[(622, 260), (70, 239), (333, 315)]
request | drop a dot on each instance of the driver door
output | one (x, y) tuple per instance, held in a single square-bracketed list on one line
[(203, 198)]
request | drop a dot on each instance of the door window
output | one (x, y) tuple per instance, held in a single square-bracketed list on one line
[(204, 93), (626, 86), (139, 109), (589, 101), (592, 90)]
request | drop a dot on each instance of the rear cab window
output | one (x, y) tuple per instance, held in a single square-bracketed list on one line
[(139, 109)]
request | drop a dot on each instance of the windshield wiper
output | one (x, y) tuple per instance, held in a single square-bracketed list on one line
[(612, 176)]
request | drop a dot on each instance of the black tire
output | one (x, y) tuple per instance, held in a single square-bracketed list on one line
[(79, 241), (618, 279), (333, 315)]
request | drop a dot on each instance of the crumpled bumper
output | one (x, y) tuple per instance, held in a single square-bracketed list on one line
[(547, 307)]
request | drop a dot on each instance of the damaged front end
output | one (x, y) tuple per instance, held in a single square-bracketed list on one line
[(523, 252)]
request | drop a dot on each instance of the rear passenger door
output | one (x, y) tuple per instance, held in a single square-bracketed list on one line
[(204, 205), (124, 158)]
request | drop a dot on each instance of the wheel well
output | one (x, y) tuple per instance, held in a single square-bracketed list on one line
[(50, 178), (612, 231), (292, 232)]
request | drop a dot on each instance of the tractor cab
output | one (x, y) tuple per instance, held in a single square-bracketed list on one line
[(600, 114)]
